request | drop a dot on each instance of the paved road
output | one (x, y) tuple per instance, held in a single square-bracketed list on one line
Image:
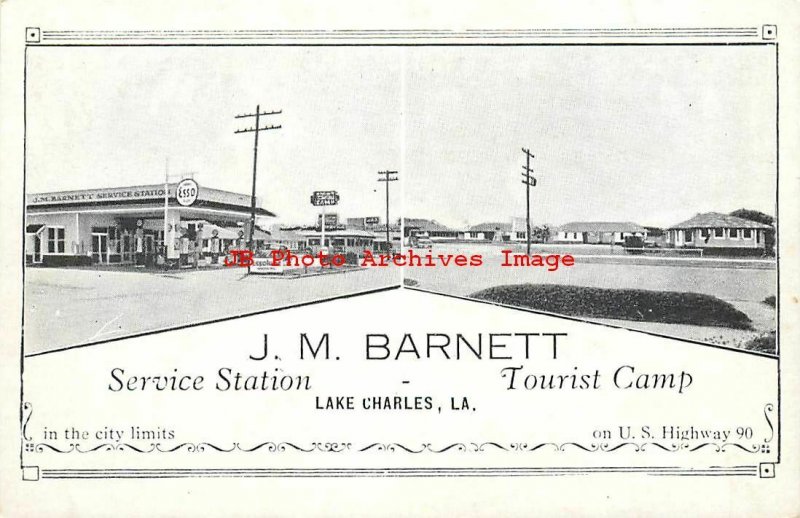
[(66, 307), (744, 287), (737, 283)]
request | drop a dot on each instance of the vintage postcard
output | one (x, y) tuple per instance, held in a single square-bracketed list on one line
[(370, 269)]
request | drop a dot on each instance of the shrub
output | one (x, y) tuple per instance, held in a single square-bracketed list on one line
[(351, 258), (734, 252), (625, 304), (765, 343), (66, 260)]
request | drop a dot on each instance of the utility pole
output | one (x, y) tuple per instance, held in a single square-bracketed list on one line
[(529, 182), (256, 129), (388, 176), (322, 231)]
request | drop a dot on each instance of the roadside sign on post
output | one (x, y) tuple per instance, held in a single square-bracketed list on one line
[(331, 220), (324, 198)]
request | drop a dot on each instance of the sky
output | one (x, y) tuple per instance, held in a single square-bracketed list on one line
[(649, 134), (108, 117)]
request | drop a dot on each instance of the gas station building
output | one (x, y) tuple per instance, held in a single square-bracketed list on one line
[(126, 225)]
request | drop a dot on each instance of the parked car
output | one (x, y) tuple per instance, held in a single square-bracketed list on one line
[(421, 241)]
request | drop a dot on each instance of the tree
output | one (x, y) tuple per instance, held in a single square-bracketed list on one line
[(754, 215), (540, 234), (760, 217)]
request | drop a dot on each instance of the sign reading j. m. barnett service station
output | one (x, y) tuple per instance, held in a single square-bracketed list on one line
[(186, 192), (435, 385), (83, 196)]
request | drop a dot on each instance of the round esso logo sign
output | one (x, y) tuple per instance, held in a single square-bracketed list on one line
[(186, 192)]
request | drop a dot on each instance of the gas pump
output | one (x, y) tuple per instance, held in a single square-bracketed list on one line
[(198, 244), (139, 244), (172, 241), (184, 250), (215, 247)]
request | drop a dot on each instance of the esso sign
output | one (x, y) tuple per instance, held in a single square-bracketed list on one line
[(186, 192)]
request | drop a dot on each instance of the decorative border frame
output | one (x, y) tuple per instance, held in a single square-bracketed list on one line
[(456, 447), (765, 35)]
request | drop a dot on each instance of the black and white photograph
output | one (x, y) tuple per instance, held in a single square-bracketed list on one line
[(399, 259), (629, 186), (135, 145)]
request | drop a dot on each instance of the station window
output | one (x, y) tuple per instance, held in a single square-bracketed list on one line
[(55, 240), (747, 233), (719, 232), (733, 233), (689, 235), (703, 233)]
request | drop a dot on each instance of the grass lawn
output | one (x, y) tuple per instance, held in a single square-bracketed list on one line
[(669, 307), (765, 343)]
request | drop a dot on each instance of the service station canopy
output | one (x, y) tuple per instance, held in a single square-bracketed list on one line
[(144, 196)]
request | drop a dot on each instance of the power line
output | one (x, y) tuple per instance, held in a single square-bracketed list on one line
[(388, 176), (277, 112)]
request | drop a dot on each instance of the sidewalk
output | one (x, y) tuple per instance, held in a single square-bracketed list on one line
[(691, 262)]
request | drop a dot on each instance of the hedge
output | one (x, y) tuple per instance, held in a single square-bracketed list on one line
[(668, 307), (66, 260)]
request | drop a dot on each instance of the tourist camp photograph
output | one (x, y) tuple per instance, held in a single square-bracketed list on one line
[(653, 169)]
